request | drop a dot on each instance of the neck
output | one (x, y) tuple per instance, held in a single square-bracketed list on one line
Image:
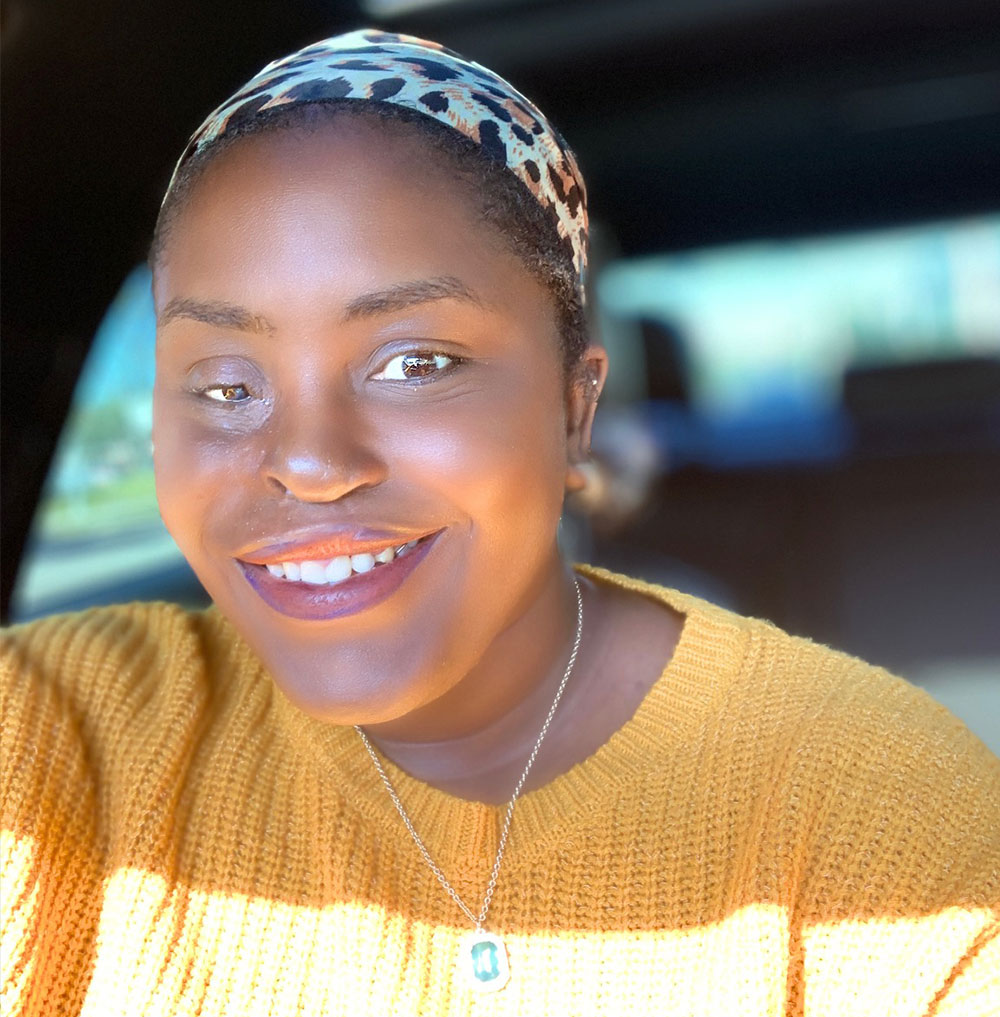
[(475, 740)]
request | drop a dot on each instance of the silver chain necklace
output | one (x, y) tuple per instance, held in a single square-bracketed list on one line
[(483, 961)]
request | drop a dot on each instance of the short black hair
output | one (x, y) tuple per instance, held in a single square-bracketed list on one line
[(500, 198)]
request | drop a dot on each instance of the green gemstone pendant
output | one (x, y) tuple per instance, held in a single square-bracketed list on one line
[(483, 961)]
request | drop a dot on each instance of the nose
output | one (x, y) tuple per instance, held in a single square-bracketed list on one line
[(323, 453)]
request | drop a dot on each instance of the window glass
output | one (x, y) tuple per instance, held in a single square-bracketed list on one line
[(780, 321), (760, 353), (97, 536)]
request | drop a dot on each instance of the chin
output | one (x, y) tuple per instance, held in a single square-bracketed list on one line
[(377, 699), (350, 671)]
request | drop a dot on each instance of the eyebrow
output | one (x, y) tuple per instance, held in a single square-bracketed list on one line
[(215, 312), (394, 298), (408, 294)]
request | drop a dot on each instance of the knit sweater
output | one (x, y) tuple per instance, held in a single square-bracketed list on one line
[(779, 829)]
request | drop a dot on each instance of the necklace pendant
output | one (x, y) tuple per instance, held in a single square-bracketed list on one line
[(482, 961)]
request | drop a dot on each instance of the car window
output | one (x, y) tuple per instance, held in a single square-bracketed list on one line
[(97, 536)]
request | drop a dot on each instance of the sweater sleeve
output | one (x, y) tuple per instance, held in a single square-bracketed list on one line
[(897, 897), (50, 870)]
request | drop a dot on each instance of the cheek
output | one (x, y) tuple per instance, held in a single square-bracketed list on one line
[(501, 459), (196, 469)]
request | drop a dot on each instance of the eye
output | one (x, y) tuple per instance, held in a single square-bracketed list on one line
[(412, 366), (227, 393)]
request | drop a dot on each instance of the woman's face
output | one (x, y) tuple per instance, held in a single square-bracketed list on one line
[(348, 362)]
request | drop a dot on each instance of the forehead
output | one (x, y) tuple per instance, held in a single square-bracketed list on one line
[(330, 214), (339, 156)]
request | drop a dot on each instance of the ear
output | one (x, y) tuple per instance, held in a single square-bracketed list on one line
[(584, 389)]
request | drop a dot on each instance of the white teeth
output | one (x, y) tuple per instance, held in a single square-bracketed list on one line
[(314, 572), (362, 562), (338, 569)]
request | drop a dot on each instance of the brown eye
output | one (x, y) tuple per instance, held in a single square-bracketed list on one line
[(227, 393), (418, 366), (410, 366)]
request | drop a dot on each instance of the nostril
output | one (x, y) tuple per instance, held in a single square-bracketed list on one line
[(314, 481), (323, 454)]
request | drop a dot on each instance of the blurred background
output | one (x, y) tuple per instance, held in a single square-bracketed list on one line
[(796, 209)]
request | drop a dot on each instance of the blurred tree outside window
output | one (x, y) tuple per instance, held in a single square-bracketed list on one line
[(97, 535)]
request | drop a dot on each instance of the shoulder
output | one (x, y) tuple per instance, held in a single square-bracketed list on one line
[(86, 695), (91, 658), (856, 720), (97, 629), (858, 730), (887, 803), (817, 693), (852, 766)]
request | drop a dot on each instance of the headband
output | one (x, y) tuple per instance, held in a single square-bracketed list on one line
[(426, 77)]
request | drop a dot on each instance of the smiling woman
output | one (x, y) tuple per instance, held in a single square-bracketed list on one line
[(411, 754), (341, 269)]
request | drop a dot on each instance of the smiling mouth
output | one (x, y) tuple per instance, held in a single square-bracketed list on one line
[(322, 589), (331, 571)]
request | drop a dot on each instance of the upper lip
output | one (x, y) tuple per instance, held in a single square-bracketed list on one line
[(319, 546)]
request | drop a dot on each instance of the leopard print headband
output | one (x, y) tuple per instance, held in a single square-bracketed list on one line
[(437, 82)]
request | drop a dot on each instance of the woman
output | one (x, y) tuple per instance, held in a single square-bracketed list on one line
[(412, 762)]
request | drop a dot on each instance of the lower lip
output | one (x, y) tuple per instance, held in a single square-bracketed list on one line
[(321, 603)]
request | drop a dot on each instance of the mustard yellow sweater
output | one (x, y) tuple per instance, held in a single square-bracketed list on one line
[(779, 829)]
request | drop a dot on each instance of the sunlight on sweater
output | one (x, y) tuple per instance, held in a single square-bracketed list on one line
[(846, 964), (169, 951), (186, 951)]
